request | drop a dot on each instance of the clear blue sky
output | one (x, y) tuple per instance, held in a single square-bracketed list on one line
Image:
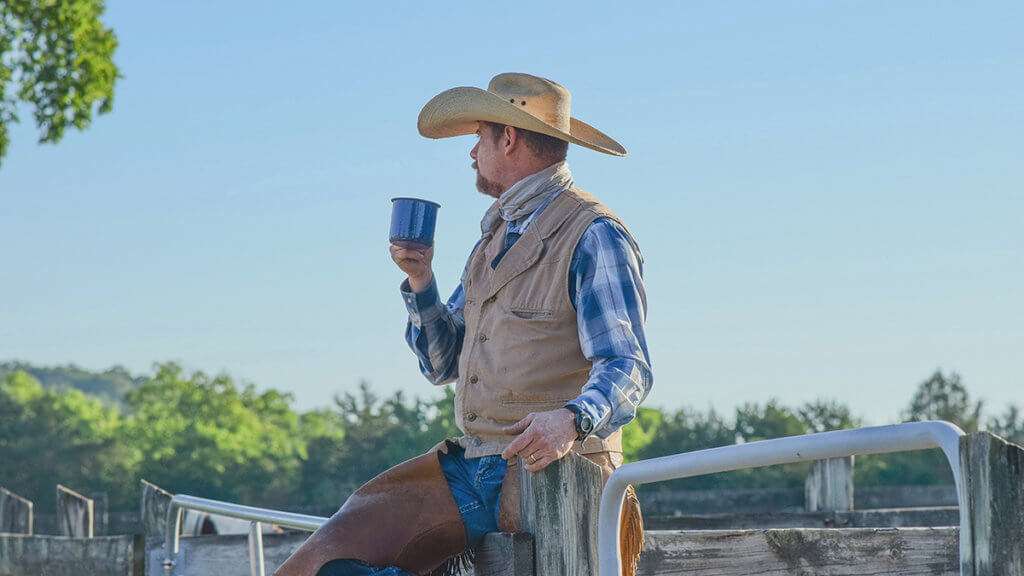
[(829, 196)]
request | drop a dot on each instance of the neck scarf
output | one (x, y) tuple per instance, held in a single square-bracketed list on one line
[(523, 197)]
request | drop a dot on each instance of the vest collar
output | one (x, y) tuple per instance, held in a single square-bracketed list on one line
[(530, 247)]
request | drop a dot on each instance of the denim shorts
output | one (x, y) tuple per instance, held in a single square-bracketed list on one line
[(476, 487)]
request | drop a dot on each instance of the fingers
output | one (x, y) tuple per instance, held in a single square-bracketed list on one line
[(540, 463), (519, 427), (399, 253), (523, 444)]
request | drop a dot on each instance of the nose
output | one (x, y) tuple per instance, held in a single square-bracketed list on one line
[(472, 153)]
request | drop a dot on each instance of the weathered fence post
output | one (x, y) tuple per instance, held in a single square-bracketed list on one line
[(994, 487), (153, 512), (558, 506), (15, 513), (101, 513), (829, 486), (74, 513)]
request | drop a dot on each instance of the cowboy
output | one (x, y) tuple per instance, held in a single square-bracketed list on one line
[(544, 338)]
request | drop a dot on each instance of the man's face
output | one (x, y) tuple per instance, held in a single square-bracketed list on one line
[(486, 156)]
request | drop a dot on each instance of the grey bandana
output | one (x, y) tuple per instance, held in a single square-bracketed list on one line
[(526, 195)]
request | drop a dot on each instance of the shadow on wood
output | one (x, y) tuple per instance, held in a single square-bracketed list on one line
[(994, 470), (74, 513), (15, 513)]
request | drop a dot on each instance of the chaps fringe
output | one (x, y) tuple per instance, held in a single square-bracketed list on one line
[(456, 565)]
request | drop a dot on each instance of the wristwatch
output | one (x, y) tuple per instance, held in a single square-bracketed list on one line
[(583, 422)]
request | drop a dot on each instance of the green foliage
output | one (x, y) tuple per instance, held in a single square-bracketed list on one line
[(944, 398), (375, 434), (68, 437), (213, 437), (209, 436), (1010, 425), (110, 385), (825, 415), (57, 56), (639, 433)]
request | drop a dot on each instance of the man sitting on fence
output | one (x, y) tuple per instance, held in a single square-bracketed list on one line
[(544, 338)]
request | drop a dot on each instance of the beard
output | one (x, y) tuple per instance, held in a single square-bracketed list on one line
[(486, 186)]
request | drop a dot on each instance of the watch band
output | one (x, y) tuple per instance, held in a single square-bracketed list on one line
[(581, 421)]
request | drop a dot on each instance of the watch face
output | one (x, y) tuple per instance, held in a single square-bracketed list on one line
[(586, 424)]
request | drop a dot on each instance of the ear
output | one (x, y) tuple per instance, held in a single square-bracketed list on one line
[(509, 140)]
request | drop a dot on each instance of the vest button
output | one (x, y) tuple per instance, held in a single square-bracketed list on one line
[(483, 338), (470, 301), (471, 416), (473, 379)]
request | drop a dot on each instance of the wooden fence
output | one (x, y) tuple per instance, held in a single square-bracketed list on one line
[(15, 513)]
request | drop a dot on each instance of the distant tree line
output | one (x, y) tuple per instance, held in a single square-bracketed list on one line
[(214, 437)]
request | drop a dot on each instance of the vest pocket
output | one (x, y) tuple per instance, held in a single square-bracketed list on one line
[(555, 399), (530, 313)]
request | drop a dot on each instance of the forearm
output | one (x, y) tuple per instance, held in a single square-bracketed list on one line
[(434, 331), (613, 392)]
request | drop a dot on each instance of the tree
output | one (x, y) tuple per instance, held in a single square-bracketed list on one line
[(57, 56), (1010, 425), (61, 436), (640, 432), (755, 422), (825, 415), (210, 437), (944, 398)]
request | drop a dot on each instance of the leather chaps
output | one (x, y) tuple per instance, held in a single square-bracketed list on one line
[(406, 517)]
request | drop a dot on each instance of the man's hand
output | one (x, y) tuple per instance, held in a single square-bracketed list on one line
[(543, 437), (415, 262)]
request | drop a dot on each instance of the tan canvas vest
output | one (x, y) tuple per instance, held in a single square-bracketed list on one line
[(521, 351)]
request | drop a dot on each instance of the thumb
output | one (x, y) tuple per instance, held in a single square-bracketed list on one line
[(521, 426)]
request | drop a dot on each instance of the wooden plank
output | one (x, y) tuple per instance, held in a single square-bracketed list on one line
[(829, 486), (558, 506), (74, 513), (994, 487), (663, 500), (504, 554), (891, 518), (21, 555), (153, 511), (15, 513), (802, 552)]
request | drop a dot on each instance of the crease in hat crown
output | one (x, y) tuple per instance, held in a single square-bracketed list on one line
[(516, 99), (540, 97)]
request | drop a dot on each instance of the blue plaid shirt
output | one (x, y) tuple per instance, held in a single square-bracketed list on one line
[(605, 285)]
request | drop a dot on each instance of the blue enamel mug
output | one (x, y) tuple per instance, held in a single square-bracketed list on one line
[(412, 222)]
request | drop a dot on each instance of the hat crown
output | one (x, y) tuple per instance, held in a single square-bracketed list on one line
[(539, 97)]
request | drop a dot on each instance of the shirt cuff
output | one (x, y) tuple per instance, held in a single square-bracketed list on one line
[(595, 405), (424, 307)]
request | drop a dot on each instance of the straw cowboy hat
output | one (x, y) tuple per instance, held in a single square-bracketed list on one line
[(514, 99)]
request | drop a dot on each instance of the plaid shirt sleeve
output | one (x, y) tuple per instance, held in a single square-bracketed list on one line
[(435, 331), (606, 285)]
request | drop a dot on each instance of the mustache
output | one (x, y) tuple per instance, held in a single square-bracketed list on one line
[(473, 165)]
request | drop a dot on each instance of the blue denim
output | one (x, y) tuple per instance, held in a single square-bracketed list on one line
[(476, 487)]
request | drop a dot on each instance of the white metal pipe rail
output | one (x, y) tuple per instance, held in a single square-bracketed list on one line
[(809, 447), (257, 517)]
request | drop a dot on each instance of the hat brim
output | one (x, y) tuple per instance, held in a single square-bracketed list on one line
[(457, 111)]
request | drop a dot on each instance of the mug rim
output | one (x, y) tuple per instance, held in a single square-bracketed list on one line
[(435, 204)]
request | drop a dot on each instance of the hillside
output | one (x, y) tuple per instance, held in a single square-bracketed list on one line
[(110, 385)]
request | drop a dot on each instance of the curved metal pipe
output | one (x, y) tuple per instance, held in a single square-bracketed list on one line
[(182, 502), (809, 447)]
